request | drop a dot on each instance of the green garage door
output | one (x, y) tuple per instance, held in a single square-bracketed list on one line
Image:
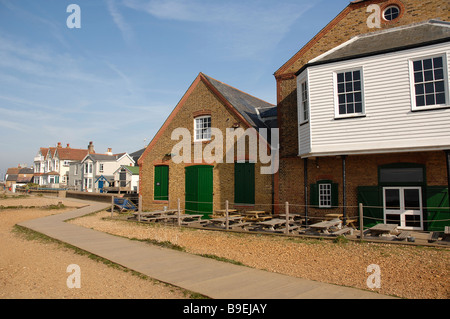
[(199, 190), (244, 183)]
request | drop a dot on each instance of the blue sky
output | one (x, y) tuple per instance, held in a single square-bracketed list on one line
[(115, 80)]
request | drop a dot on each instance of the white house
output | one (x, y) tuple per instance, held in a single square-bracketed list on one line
[(377, 109), (126, 178), (51, 165), (96, 171)]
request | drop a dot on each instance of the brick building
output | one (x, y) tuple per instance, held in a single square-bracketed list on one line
[(336, 152), (209, 108)]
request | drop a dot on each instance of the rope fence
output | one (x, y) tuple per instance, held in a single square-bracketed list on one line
[(189, 207)]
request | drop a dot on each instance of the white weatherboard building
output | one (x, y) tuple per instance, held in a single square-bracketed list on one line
[(376, 110)]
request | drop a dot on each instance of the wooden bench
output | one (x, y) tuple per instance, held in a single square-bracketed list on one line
[(342, 231), (404, 235), (283, 229), (434, 236), (239, 225)]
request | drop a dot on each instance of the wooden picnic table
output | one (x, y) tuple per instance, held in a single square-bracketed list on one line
[(221, 221), (256, 215), (222, 212), (326, 225), (272, 224), (156, 213), (383, 229)]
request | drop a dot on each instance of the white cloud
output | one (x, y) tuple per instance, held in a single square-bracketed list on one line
[(122, 25), (244, 28)]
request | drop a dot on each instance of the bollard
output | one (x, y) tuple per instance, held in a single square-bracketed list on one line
[(361, 226), (226, 215), (287, 218)]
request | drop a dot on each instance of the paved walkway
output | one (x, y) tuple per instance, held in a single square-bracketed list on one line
[(215, 279)]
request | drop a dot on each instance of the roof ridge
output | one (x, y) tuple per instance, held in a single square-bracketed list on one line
[(236, 89)]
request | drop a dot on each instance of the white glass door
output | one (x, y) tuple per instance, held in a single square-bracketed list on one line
[(403, 206)]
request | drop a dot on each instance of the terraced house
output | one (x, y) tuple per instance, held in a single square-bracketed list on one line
[(207, 111), (364, 113), (51, 164)]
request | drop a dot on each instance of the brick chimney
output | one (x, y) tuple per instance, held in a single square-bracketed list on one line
[(91, 148)]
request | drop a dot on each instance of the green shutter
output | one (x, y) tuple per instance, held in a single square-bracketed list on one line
[(244, 183), (314, 195), (161, 187), (334, 195), (437, 213), (371, 198)]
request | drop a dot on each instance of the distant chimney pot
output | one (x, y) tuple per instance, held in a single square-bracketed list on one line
[(91, 148), (59, 144), (68, 146), (109, 152)]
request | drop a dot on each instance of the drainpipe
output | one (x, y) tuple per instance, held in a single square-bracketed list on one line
[(305, 169), (344, 191), (447, 153)]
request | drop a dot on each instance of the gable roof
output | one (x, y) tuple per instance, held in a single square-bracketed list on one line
[(243, 105), (404, 37), (250, 107)]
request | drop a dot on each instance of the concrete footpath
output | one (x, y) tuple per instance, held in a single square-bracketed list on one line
[(212, 278)]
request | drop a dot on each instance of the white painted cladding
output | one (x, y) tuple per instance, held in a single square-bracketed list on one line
[(389, 124)]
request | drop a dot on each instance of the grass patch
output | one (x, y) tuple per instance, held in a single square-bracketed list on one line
[(30, 235)]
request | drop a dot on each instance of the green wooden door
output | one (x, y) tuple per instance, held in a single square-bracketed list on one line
[(244, 183), (161, 188), (372, 200), (438, 214), (199, 190)]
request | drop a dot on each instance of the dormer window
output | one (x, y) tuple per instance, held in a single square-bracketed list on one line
[(202, 128)]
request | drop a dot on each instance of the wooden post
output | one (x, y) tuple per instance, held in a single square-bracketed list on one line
[(112, 206), (287, 217), (361, 222), (140, 208), (227, 222), (178, 212)]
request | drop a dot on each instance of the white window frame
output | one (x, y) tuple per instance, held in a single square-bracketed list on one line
[(325, 195), (88, 168), (101, 168), (414, 107), (303, 100), (196, 129), (337, 115)]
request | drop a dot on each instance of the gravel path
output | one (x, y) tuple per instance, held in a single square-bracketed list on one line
[(406, 271), (34, 269)]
